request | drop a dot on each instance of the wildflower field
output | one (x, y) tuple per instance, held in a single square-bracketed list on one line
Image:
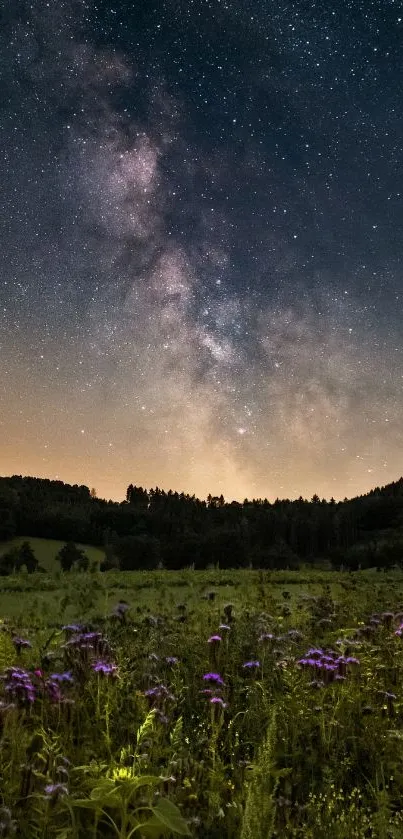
[(205, 704)]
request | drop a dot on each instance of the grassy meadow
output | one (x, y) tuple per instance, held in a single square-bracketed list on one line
[(46, 550), (213, 704)]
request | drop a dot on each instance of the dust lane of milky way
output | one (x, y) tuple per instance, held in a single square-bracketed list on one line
[(201, 248)]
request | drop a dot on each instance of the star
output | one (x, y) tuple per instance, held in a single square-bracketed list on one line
[(200, 257)]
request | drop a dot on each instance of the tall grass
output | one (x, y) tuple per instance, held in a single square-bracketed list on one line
[(274, 712)]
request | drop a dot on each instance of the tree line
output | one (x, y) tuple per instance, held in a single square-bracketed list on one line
[(156, 528)]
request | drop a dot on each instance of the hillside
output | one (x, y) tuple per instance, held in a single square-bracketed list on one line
[(46, 550), (154, 527)]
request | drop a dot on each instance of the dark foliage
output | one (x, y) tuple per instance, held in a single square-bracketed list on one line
[(154, 528), (71, 555)]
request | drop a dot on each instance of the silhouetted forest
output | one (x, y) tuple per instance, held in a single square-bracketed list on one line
[(153, 528)]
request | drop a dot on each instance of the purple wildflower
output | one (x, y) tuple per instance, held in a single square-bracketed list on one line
[(159, 692), (329, 664), (153, 691), (105, 668), (91, 636), (217, 700), (309, 662), (53, 691), (55, 790), (171, 659), (214, 639), (213, 677), (224, 626), (61, 677), (19, 685), (251, 665)]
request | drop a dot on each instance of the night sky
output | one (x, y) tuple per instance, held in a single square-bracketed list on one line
[(201, 245)]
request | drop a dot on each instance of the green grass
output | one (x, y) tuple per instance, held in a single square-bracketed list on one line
[(46, 550), (283, 756)]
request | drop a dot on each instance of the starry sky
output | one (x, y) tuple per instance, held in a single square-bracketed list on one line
[(200, 244)]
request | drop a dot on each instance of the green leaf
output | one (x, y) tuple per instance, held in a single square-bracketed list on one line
[(144, 781), (147, 728), (85, 803), (152, 829), (99, 798), (168, 814), (106, 787)]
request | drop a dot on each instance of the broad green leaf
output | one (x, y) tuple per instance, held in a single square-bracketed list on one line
[(105, 787), (85, 803), (152, 829), (107, 794), (170, 816), (144, 781)]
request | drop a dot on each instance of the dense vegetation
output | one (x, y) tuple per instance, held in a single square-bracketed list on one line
[(277, 713), (173, 530), (221, 703)]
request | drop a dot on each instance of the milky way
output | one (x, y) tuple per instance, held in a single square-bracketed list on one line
[(201, 277)]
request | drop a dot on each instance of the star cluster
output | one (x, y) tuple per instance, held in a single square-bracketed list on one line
[(201, 273)]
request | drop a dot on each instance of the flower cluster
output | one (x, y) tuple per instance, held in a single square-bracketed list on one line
[(19, 685), (105, 668), (327, 666), (87, 648), (86, 641), (159, 692), (83, 651), (217, 682), (215, 678), (53, 684), (24, 687)]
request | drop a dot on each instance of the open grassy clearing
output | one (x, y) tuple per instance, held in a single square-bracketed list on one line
[(59, 596), (46, 550)]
